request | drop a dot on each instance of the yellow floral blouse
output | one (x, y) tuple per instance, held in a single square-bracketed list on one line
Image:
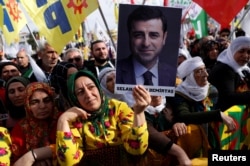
[(5, 143), (119, 130)]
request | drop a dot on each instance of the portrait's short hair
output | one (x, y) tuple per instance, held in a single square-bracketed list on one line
[(145, 13)]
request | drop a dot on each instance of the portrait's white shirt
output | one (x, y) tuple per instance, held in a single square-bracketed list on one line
[(140, 70)]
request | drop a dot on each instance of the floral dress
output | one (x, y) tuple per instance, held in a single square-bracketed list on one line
[(5, 143), (71, 146)]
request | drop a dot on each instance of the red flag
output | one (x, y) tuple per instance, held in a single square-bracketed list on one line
[(222, 11)]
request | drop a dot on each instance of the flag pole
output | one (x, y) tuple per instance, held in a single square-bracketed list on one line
[(32, 34), (242, 18), (106, 25)]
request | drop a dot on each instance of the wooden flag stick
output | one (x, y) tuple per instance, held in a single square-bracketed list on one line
[(32, 34)]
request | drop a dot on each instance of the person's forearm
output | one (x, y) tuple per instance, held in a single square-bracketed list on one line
[(180, 154), (63, 125), (42, 153), (139, 119)]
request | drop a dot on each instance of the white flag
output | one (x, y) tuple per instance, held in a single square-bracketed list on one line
[(245, 24), (100, 33)]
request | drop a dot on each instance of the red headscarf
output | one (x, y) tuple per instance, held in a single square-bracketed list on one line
[(38, 132)]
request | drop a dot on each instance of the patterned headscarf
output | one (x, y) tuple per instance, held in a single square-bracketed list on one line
[(97, 117), (37, 131), (14, 111)]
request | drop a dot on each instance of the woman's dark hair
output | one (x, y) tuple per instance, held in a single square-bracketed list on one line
[(208, 45)]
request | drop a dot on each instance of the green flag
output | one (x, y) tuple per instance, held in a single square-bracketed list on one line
[(198, 18)]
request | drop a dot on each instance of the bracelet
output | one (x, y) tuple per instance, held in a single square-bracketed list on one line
[(34, 154)]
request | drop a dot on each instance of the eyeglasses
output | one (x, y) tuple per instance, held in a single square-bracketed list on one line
[(51, 52), (76, 59)]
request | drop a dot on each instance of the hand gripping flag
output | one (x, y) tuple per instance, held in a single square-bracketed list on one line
[(13, 20), (222, 11), (59, 20)]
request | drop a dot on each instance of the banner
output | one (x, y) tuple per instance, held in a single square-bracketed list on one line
[(198, 18), (222, 11), (184, 5), (59, 20), (13, 20)]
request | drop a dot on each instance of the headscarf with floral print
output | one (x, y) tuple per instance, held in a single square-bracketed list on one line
[(97, 117), (37, 130)]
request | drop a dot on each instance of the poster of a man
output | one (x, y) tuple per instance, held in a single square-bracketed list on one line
[(148, 44)]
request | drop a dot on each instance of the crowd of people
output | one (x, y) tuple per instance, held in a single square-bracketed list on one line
[(63, 110)]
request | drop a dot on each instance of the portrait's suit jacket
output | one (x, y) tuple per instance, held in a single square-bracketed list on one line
[(125, 73)]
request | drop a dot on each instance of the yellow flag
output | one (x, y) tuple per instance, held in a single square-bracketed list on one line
[(13, 20), (59, 20)]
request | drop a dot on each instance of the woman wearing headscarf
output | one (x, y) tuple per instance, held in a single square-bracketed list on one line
[(15, 94), (107, 82), (34, 137), (188, 102), (231, 76), (211, 53), (94, 130), (230, 73), (59, 76)]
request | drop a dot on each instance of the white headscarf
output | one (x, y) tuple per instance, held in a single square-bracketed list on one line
[(227, 56), (184, 52), (102, 77), (189, 86), (157, 109)]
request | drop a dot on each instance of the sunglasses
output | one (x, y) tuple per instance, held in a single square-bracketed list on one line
[(76, 59), (51, 52)]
